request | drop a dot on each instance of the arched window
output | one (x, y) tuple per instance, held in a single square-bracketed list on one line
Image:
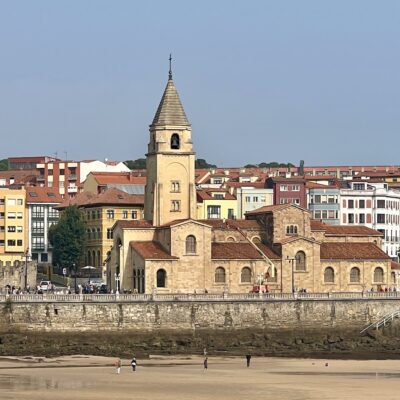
[(98, 258), (256, 239), (231, 239), (269, 276), (175, 142), (190, 245), (329, 275), (378, 274), (220, 275), (300, 261), (291, 229), (245, 276), (393, 277), (161, 278), (355, 275), (89, 258), (93, 258)]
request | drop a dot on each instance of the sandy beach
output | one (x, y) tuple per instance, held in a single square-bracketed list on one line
[(89, 377)]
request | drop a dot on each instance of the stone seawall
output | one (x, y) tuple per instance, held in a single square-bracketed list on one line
[(301, 327)]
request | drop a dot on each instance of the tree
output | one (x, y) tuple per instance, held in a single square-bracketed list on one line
[(201, 163), (4, 166), (140, 163), (68, 238)]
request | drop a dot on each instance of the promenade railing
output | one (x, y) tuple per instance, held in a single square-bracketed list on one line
[(192, 297)]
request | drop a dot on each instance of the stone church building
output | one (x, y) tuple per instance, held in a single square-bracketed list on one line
[(280, 248)]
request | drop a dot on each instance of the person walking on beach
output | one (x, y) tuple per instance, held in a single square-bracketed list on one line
[(118, 365), (248, 358), (133, 364), (205, 364)]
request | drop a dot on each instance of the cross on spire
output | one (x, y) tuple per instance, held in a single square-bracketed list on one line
[(170, 67)]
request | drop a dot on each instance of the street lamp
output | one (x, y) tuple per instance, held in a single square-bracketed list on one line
[(292, 260), (117, 279), (73, 267)]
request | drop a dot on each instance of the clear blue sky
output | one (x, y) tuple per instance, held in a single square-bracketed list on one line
[(259, 80)]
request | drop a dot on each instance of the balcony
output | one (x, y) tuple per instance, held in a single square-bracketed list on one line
[(72, 189), (72, 177)]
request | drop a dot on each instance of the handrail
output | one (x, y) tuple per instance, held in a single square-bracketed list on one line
[(387, 318), (194, 297)]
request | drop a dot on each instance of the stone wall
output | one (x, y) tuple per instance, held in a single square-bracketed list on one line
[(270, 315)]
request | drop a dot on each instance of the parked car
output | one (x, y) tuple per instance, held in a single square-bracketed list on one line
[(45, 286)]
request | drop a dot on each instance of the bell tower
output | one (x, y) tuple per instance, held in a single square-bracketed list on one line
[(170, 189)]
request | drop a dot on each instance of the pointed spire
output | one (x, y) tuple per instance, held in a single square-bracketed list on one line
[(170, 111)]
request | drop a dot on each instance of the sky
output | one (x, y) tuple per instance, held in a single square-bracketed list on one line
[(259, 80)]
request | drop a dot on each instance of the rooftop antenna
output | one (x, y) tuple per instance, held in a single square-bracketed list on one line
[(170, 67)]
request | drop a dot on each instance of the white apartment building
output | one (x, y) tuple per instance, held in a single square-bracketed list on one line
[(373, 205)]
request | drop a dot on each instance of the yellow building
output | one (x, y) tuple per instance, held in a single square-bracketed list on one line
[(216, 204), (13, 228), (101, 212)]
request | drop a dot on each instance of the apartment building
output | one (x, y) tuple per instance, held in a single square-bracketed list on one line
[(323, 202), (13, 233), (374, 205), (42, 215), (216, 204), (289, 190)]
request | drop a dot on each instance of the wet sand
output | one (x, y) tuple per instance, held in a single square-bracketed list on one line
[(84, 378)]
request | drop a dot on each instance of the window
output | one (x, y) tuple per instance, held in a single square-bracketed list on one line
[(317, 198), (355, 275), (284, 188), (291, 230), (11, 202), (248, 199), (11, 228), (125, 214), (190, 245), (300, 261), (324, 214), (11, 215), (110, 214), (329, 275), (220, 275), (11, 242), (296, 201), (19, 242), (380, 218), (361, 203), (362, 218), (19, 215), (98, 214), (213, 212), (93, 214), (62, 172), (380, 204), (161, 278), (359, 186), (134, 214), (255, 199), (218, 196), (351, 204), (378, 274), (37, 212), (231, 214), (109, 233), (245, 276), (175, 187), (351, 218), (296, 188), (175, 205), (317, 214), (175, 141)]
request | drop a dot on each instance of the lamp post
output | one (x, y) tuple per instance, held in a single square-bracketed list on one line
[(260, 281), (73, 267), (117, 279), (292, 260)]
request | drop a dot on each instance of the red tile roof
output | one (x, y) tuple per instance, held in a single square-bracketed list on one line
[(240, 251), (395, 265), (104, 178), (36, 194), (207, 194), (352, 251), (151, 251), (343, 230), (111, 196), (135, 224), (270, 209)]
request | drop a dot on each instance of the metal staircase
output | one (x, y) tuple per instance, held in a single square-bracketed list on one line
[(386, 320)]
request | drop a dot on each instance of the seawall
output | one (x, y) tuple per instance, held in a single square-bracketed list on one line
[(269, 327)]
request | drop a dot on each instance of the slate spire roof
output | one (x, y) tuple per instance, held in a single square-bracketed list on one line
[(170, 111)]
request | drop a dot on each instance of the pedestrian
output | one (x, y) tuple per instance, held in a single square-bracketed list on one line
[(248, 358), (118, 365), (133, 363), (205, 364)]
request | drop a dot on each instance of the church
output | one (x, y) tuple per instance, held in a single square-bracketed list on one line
[(275, 249)]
